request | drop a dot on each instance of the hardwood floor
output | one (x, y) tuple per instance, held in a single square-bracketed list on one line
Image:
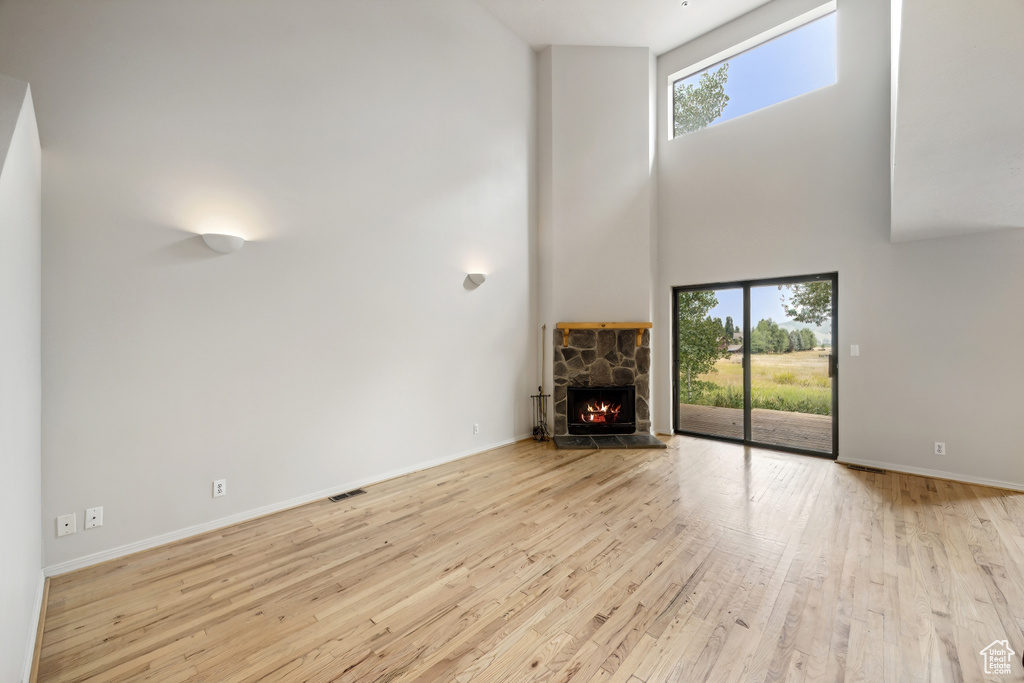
[(702, 562)]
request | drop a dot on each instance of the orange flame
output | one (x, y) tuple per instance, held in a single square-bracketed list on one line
[(603, 412)]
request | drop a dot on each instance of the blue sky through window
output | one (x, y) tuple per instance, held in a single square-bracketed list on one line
[(786, 66), (765, 304)]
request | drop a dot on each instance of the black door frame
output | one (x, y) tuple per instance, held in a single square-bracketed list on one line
[(745, 285)]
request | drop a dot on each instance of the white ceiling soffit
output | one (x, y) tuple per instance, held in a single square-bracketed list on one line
[(958, 147), (658, 24)]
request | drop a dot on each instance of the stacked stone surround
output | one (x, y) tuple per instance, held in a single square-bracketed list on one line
[(603, 358)]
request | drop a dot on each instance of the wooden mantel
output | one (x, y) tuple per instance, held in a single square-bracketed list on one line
[(639, 327)]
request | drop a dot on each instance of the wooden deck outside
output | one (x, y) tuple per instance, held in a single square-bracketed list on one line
[(775, 427)]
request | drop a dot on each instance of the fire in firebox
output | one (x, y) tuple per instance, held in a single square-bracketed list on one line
[(600, 410), (600, 413)]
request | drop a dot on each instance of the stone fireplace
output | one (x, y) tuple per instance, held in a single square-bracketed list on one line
[(614, 368)]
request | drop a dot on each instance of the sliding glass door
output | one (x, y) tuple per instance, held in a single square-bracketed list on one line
[(754, 362), (709, 361)]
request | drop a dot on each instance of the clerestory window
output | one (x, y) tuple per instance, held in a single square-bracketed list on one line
[(792, 59)]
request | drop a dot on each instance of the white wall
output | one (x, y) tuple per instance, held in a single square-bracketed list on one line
[(595, 186), (20, 406), (958, 151), (375, 151), (803, 187), (599, 209)]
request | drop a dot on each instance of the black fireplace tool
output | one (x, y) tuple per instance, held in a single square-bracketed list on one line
[(540, 415)]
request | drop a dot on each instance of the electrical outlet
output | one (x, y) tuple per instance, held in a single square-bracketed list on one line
[(940, 448), (854, 349), (476, 429), (93, 517), (220, 487), (66, 524)]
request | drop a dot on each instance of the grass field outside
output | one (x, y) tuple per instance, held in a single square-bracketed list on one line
[(795, 382)]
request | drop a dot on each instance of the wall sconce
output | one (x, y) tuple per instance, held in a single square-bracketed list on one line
[(477, 278), (223, 244)]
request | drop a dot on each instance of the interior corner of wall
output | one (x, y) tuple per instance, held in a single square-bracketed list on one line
[(13, 94)]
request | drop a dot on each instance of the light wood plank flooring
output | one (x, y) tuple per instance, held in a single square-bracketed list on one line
[(702, 562)]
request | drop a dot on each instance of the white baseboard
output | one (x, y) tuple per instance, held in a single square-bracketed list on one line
[(195, 530), (935, 474), (37, 608)]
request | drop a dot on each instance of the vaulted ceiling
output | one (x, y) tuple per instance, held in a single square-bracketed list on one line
[(658, 24), (958, 93)]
